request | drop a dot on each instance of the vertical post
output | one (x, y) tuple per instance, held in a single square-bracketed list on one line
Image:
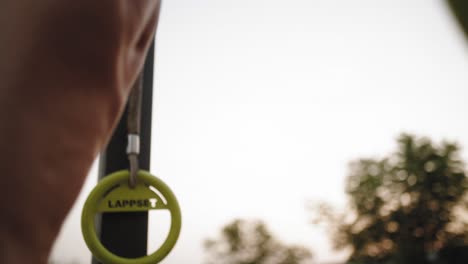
[(125, 234)]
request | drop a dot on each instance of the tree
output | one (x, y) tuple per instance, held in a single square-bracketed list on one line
[(460, 10), (409, 207), (250, 242)]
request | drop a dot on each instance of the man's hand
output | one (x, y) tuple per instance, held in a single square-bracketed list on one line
[(66, 68)]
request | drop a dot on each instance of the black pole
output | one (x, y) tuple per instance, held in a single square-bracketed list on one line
[(125, 234)]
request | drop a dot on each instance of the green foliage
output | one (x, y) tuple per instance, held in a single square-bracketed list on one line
[(250, 242), (409, 207)]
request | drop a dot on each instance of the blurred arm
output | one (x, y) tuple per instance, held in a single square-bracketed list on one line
[(66, 68)]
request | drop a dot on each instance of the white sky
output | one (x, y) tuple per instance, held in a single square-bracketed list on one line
[(260, 105)]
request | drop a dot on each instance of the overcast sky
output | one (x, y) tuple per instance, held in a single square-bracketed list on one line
[(260, 105)]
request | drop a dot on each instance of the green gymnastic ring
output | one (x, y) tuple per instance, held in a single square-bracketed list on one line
[(90, 209)]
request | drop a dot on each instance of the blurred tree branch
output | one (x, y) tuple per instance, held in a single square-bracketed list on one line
[(408, 207), (460, 9), (250, 242)]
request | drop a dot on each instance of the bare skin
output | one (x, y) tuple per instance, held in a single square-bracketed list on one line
[(66, 68)]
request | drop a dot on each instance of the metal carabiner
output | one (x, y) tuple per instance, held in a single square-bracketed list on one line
[(133, 128), (133, 149)]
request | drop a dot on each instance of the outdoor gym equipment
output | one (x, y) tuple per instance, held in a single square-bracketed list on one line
[(123, 197), (113, 194), (131, 192)]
